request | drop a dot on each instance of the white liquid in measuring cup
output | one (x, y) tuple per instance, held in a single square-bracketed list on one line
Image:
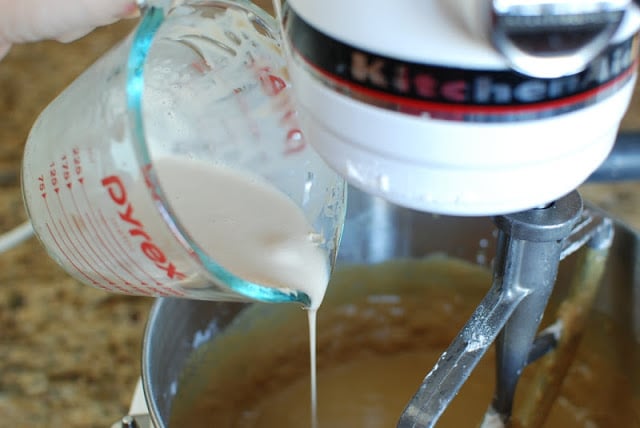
[(251, 229), (246, 225)]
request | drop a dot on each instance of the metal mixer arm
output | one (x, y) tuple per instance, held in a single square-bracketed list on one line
[(530, 247)]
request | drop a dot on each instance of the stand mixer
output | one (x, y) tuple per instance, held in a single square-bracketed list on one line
[(477, 108)]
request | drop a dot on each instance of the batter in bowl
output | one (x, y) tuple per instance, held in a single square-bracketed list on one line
[(380, 330)]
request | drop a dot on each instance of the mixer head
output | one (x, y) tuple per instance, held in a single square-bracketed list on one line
[(490, 107), (463, 108)]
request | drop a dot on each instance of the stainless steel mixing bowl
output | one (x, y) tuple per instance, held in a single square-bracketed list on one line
[(376, 231)]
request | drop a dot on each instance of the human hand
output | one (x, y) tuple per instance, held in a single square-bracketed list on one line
[(24, 21)]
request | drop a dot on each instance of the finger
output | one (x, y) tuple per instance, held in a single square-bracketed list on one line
[(31, 20)]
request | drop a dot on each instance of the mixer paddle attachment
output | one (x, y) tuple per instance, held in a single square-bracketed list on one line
[(562, 337), (571, 321), (530, 247)]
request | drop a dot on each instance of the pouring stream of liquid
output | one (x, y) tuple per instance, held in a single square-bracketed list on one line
[(313, 370)]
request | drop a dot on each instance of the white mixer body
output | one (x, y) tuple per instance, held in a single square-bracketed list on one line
[(410, 101)]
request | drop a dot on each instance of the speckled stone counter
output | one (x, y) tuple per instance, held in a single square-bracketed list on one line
[(69, 354)]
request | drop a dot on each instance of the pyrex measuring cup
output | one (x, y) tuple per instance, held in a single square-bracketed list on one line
[(174, 166)]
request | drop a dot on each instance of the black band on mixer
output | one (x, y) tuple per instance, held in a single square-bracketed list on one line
[(450, 93)]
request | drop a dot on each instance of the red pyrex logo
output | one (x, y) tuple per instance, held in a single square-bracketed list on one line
[(118, 194)]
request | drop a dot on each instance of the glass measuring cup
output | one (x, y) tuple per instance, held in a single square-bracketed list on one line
[(190, 114)]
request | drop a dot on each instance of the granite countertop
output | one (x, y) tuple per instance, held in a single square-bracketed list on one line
[(69, 354)]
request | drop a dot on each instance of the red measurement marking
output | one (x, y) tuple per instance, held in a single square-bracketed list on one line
[(63, 248), (132, 260), (112, 256), (77, 163), (42, 188), (88, 266), (105, 258), (75, 240), (70, 260), (66, 170), (79, 231), (74, 259), (54, 176), (273, 85), (105, 263)]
